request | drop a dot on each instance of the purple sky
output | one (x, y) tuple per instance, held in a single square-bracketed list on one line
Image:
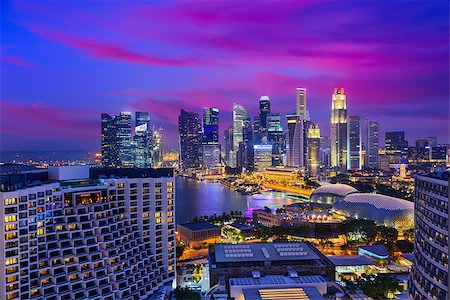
[(65, 62)]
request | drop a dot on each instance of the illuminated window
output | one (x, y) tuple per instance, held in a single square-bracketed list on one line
[(170, 214), (9, 227), (158, 221), (59, 228), (73, 226), (170, 184), (73, 277), (145, 215), (170, 196), (158, 215), (11, 261), (10, 201), (170, 202), (10, 279), (10, 236), (40, 232), (170, 190), (121, 185), (9, 219)]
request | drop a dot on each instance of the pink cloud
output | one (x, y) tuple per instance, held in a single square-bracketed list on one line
[(17, 61)]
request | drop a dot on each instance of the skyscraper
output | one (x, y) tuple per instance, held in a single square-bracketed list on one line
[(372, 145), (262, 156), (157, 147), (240, 116), (396, 148), (117, 150), (210, 142), (301, 103), (325, 151), (228, 136), (275, 137), (190, 130), (142, 141), (354, 147), (264, 112), (295, 141), (313, 149), (87, 234), (339, 129), (429, 277)]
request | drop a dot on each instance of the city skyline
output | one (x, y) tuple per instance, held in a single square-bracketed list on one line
[(73, 73)]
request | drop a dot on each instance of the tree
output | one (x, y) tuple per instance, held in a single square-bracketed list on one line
[(378, 287), (409, 235), (182, 293), (360, 230), (267, 209), (179, 250), (387, 234)]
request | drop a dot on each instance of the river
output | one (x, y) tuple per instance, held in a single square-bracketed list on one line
[(198, 198)]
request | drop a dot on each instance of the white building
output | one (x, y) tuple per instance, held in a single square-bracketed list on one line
[(262, 156), (79, 233)]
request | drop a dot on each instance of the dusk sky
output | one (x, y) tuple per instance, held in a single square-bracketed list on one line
[(65, 62)]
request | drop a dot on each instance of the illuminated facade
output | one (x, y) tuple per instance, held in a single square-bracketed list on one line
[(158, 147), (396, 148), (339, 129), (313, 149), (354, 147), (275, 137), (117, 148), (210, 142), (82, 237), (262, 156), (429, 277), (240, 116), (372, 145), (301, 103), (264, 112), (295, 141), (142, 141), (190, 130)]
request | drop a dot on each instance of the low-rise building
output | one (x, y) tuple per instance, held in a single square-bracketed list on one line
[(197, 233), (377, 252), (229, 261), (351, 267)]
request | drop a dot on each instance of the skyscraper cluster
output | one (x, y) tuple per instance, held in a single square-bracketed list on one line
[(124, 147)]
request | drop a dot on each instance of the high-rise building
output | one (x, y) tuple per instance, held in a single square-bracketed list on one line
[(262, 156), (240, 117), (264, 112), (228, 136), (429, 277), (275, 137), (295, 141), (110, 156), (210, 143), (354, 147), (256, 130), (190, 130), (245, 152), (142, 141), (77, 233), (325, 151), (301, 103), (117, 150), (157, 147), (313, 149), (372, 145), (339, 129), (396, 148)]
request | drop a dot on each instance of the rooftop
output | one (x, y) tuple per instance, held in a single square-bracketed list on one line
[(442, 175), (264, 252), (199, 226), (380, 201), (283, 293), (337, 189), (277, 279), (350, 260), (379, 250), (241, 226)]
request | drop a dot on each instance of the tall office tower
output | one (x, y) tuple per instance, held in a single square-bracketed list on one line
[(87, 234), (157, 147), (228, 137), (396, 148), (275, 137), (190, 130), (432, 141), (210, 142), (262, 156), (325, 151), (245, 155), (429, 277), (264, 112), (295, 141), (339, 129), (257, 130), (372, 145), (313, 149), (142, 141), (354, 147), (240, 116), (123, 123), (301, 103), (110, 156)]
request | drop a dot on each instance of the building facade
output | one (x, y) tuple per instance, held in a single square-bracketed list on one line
[(295, 141), (354, 147), (142, 141), (339, 129), (262, 156), (275, 137), (313, 149), (396, 148), (429, 277), (264, 112), (372, 145), (210, 141), (301, 103), (87, 235), (190, 130)]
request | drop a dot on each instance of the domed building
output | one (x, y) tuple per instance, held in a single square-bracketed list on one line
[(327, 195), (390, 211)]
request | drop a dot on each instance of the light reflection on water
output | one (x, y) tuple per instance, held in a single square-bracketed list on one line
[(196, 198)]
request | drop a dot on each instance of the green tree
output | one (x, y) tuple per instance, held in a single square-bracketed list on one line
[(409, 235), (378, 287), (180, 250)]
